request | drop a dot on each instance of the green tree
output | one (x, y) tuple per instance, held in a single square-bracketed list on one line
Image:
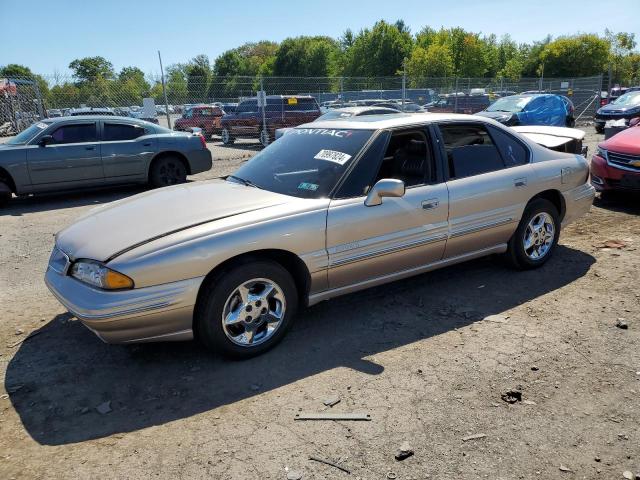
[(90, 68), (432, 61), (378, 52), (576, 56), (198, 76), (306, 57)]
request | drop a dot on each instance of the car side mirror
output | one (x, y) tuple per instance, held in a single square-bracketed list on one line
[(45, 140), (386, 187)]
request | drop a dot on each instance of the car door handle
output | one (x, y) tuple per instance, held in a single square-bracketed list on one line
[(91, 147), (520, 182), (430, 204), (148, 144)]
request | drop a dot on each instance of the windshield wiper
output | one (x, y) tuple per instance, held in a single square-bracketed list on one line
[(246, 183)]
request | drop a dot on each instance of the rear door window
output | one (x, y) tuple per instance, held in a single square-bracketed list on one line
[(75, 133), (119, 131), (470, 150), (513, 152)]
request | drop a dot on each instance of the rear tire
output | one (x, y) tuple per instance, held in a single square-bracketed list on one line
[(599, 129), (243, 325), (166, 171), (536, 237), (5, 194), (226, 137), (571, 122)]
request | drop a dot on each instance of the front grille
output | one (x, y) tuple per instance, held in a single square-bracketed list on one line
[(631, 162)]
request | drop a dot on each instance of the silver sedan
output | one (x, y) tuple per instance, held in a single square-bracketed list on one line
[(331, 208)]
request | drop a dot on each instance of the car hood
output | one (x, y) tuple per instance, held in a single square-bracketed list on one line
[(611, 108), (497, 116), (627, 141), (112, 229)]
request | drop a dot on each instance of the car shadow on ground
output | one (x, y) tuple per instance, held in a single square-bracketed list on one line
[(58, 377), (70, 199), (624, 202)]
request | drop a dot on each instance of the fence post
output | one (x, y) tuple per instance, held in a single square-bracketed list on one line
[(455, 105), (342, 89), (404, 83), (264, 116), (40, 101), (164, 91)]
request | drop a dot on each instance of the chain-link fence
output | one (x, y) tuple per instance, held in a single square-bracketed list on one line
[(21, 104), (232, 109)]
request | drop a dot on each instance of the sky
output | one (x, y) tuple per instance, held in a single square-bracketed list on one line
[(130, 32)]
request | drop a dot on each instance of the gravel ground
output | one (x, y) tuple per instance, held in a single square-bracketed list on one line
[(428, 358)]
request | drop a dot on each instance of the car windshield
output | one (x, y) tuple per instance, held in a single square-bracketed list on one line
[(628, 99), (335, 114), (509, 104), (28, 134), (305, 163)]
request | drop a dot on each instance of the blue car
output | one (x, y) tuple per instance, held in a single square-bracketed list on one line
[(532, 109)]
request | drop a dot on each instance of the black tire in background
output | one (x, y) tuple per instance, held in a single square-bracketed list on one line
[(209, 311), (5, 194), (516, 254), (166, 171), (226, 137)]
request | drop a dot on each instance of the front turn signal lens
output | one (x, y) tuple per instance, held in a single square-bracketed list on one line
[(116, 281)]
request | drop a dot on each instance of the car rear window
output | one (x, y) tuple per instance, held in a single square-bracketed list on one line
[(300, 105)]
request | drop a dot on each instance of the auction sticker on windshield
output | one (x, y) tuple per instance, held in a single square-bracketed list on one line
[(333, 156)]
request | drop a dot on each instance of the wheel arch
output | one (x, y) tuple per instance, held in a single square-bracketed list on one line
[(6, 177), (556, 198), (169, 153), (288, 260)]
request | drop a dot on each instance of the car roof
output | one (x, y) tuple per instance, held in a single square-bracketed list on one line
[(76, 118), (358, 110), (379, 122)]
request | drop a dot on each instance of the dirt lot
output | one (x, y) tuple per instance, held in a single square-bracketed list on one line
[(428, 358)]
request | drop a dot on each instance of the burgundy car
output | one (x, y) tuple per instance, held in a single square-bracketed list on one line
[(281, 111), (616, 163), (205, 117)]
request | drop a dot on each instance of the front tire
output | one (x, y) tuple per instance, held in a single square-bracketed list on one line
[(247, 310), (599, 129), (536, 237), (167, 171)]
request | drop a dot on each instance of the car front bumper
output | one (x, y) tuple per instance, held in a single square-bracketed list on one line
[(150, 314), (605, 177)]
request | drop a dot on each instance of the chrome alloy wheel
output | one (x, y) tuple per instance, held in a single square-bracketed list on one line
[(225, 136), (253, 312), (539, 236)]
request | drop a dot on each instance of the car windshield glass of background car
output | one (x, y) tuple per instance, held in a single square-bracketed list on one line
[(628, 99), (509, 104), (28, 134), (306, 162)]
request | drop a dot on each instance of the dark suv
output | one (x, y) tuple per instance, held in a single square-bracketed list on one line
[(281, 111)]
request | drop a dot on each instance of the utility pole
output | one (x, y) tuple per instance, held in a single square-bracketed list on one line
[(404, 83), (541, 76), (164, 91)]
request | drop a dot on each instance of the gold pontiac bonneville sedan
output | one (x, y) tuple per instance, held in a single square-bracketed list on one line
[(328, 209)]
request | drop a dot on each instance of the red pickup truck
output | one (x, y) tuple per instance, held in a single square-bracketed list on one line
[(205, 117), (281, 111)]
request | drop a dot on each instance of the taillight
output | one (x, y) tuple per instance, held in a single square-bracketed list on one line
[(603, 102), (203, 141)]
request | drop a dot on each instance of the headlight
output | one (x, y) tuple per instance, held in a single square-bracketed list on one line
[(98, 275), (601, 152)]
